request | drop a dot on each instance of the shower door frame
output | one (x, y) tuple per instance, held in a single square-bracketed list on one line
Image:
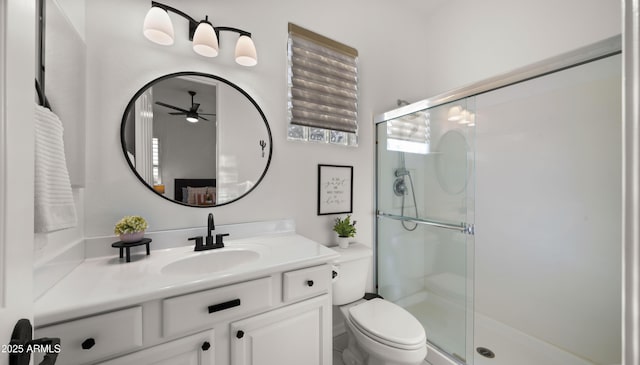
[(602, 49), (599, 50), (631, 181)]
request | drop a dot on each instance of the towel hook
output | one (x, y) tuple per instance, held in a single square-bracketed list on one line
[(42, 99)]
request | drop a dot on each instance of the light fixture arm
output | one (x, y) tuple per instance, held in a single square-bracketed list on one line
[(193, 24), (231, 29)]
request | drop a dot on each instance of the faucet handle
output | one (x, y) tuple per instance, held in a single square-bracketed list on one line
[(219, 238), (199, 244)]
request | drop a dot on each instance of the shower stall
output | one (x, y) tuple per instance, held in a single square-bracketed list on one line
[(499, 214)]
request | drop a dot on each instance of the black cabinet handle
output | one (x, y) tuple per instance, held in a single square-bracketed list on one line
[(206, 345), (88, 343), (240, 334), (223, 306), (310, 282)]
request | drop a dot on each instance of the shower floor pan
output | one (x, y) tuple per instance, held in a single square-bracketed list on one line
[(444, 320)]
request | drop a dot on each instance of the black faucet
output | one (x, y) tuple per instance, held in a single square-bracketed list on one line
[(209, 245), (210, 227)]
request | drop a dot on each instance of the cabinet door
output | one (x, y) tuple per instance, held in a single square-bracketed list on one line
[(197, 349), (293, 335)]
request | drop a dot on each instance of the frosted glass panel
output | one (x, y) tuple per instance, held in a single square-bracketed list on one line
[(430, 160), (536, 168), (548, 251), (424, 201), (425, 272)]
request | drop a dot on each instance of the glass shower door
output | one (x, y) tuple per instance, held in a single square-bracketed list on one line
[(425, 205)]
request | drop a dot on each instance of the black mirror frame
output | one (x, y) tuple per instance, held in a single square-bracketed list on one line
[(192, 73)]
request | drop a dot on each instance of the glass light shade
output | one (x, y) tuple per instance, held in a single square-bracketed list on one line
[(205, 42), (455, 113), (246, 51), (470, 119), (464, 117), (158, 27), (192, 118)]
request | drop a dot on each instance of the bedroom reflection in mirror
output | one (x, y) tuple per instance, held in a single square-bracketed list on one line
[(188, 137)]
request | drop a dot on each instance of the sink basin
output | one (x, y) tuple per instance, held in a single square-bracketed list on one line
[(211, 261)]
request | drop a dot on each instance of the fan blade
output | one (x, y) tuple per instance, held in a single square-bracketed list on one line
[(178, 113), (194, 107), (171, 107), (206, 113), (201, 117)]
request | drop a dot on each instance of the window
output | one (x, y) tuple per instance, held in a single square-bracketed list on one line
[(323, 89), (156, 161), (410, 133)]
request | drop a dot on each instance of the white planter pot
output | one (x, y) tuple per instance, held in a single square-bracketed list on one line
[(343, 242)]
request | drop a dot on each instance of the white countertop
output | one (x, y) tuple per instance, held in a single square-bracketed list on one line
[(106, 283)]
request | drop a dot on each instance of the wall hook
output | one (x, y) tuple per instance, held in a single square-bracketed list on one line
[(263, 144)]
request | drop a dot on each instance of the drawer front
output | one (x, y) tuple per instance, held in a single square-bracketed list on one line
[(306, 283), (198, 349), (199, 310), (85, 340)]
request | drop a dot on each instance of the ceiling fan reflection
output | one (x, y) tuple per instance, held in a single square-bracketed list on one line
[(191, 114)]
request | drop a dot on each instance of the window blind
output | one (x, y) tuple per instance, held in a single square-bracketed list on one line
[(323, 82)]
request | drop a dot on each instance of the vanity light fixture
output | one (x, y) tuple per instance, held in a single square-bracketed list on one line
[(159, 29)]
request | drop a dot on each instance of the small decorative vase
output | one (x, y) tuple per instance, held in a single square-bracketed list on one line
[(343, 242), (131, 237)]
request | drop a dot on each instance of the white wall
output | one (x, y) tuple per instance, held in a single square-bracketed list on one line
[(240, 159), (468, 41), (464, 42), (65, 87), (121, 60), (17, 25), (75, 12)]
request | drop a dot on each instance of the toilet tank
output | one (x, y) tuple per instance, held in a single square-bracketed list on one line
[(353, 268)]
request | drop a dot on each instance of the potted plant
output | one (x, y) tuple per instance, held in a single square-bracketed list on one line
[(345, 229), (130, 228)]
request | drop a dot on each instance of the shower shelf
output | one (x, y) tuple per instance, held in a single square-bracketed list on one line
[(462, 227)]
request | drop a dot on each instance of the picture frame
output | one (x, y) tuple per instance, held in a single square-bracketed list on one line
[(335, 189)]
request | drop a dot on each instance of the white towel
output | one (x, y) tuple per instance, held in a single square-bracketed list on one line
[(54, 207)]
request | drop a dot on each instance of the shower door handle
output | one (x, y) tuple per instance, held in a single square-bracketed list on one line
[(462, 227)]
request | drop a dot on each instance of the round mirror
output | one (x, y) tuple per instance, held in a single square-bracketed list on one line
[(196, 139), (452, 166)]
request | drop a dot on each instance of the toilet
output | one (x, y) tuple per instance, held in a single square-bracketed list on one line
[(379, 332)]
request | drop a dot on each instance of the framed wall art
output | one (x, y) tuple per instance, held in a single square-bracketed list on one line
[(335, 189)]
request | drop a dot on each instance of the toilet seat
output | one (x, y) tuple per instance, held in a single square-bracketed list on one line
[(389, 324)]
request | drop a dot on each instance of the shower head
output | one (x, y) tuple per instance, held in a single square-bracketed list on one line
[(401, 172)]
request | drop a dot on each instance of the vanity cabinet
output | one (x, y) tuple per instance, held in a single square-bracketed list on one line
[(296, 334), (273, 318)]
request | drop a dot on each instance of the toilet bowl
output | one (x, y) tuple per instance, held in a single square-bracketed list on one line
[(379, 332)]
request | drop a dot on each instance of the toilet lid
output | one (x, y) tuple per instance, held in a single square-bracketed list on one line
[(388, 323)]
